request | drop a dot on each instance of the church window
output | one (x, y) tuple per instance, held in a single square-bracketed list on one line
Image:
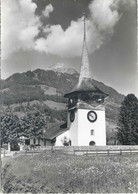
[(92, 131)]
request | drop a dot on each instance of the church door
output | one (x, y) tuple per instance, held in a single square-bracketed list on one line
[(92, 143)]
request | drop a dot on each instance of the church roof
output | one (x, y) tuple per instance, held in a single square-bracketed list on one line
[(55, 129), (85, 83), (86, 86)]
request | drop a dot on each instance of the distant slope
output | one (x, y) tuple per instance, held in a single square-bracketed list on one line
[(49, 86), (61, 83)]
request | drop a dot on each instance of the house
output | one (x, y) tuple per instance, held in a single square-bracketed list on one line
[(52, 135)]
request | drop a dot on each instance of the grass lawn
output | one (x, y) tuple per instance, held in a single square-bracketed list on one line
[(54, 172)]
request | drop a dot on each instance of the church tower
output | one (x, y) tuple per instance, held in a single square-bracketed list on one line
[(86, 110)]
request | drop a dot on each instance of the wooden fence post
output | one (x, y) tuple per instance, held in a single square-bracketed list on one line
[(120, 152), (130, 151)]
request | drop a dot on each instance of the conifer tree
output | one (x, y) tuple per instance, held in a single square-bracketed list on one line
[(128, 121)]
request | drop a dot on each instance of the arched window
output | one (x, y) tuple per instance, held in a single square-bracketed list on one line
[(92, 143)]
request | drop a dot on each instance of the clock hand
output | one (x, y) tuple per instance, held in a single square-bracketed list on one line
[(91, 116)]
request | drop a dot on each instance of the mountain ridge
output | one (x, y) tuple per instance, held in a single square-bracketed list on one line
[(40, 76)]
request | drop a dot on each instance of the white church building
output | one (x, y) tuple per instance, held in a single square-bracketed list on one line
[(86, 109)]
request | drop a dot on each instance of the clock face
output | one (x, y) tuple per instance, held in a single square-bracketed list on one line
[(92, 116), (72, 116)]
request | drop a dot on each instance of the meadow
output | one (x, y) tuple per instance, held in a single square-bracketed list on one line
[(57, 172)]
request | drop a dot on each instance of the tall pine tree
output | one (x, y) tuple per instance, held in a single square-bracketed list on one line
[(128, 121)]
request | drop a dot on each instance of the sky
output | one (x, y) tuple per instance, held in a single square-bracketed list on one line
[(43, 33)]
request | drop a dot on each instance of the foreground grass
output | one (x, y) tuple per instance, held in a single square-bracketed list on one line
[(55, 172)]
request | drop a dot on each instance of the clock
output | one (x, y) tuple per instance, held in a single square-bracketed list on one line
[(72, 116), (92, 116)]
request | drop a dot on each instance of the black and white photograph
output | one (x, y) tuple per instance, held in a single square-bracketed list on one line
[(69, 96)]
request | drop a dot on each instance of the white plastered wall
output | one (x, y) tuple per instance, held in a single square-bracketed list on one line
[(73, 129), (85, 127), (80, 129), (60, 138)]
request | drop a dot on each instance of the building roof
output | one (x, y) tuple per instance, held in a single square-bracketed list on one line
[(55, 129), (85, 83), (86, 86)]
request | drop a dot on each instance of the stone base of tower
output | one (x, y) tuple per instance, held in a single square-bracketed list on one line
[(88, 128)]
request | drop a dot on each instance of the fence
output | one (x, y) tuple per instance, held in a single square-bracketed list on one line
[(80, 150), (105, 152)]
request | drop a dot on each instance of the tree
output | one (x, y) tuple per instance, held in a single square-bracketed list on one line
[(111, 137), (128, 121), (33, 124), (9, 127)]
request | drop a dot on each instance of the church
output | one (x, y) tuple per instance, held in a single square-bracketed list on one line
[(86, 108), (85, 124)]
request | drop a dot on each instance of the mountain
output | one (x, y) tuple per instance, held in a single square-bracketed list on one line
[(44, 90), (62, 82), (62, 68)]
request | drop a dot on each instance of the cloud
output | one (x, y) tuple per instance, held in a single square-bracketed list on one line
[(19, 25), (48, 9), (103, 19), (103, 16), (125, 4), (68, 43)]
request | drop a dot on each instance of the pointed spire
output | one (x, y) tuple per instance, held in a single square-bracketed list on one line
[(85, 71), (84, 27), (85, 83)]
